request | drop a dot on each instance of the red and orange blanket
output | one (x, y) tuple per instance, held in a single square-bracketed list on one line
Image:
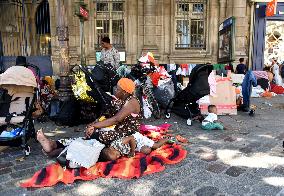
[(124, 167)]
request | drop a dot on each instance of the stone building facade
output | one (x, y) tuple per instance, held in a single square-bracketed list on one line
[(151, 25), (176, 31)]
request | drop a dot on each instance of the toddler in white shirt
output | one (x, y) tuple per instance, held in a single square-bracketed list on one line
[(210, 122)]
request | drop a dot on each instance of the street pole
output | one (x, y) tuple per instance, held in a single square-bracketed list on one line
[(83, 14), (82, 43), (65, 91)]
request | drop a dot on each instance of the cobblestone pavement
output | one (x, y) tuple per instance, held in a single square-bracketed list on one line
[(246, 159)]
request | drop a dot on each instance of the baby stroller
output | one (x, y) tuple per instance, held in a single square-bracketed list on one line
[(184, 103), (18, 93), (98, 93), (105, 76)]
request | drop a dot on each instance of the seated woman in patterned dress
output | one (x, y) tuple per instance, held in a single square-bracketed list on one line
[(126, 119)]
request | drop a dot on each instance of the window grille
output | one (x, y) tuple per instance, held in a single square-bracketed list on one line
[(110, 22), (190, 17)]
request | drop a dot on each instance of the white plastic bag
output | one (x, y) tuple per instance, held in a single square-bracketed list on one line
[(146, 108), (84, 153)]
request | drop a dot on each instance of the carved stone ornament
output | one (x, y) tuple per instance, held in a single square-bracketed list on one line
[(62, 33)]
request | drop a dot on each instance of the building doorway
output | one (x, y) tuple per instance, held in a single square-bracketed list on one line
[(268, 39), (274, 41)]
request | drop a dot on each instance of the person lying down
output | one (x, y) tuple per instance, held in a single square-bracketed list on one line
[(127, 146)]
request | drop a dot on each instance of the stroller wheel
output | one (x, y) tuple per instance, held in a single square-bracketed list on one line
[(168, 115), (27, 150), (189, 122)]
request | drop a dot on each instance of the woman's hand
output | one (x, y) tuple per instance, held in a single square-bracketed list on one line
[(89, 131)]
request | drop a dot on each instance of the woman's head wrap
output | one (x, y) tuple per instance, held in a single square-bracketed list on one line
[(127, 85)]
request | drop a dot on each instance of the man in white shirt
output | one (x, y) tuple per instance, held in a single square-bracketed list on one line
[(210, 122), (109, 55)]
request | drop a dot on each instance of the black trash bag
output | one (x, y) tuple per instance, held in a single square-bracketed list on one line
[(164, 93), (65, 112), (54, 108), (89, 112)]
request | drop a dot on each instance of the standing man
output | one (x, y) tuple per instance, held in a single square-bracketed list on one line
[(241, 68), (109, 54)]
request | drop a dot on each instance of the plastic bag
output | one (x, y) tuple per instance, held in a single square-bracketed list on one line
[(80, 88), (164, 92), (80, 153), (12, 133), (146, 108)]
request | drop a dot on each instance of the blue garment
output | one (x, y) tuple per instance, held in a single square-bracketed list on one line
[(241, 68), (248, 82), (13, 133)]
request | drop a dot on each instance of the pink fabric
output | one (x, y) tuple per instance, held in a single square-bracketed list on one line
[(36, 76), (213, 84), (162, 127), (134, 115), (260, 74)]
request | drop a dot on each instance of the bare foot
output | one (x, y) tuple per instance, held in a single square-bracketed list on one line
[(44, 141)]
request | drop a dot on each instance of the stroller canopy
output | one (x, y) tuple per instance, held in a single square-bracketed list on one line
[(18, 75)]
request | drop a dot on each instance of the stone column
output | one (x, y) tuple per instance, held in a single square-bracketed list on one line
[(131, 27), (150, 14), (65, 91), (167, 26), (213, 28), (222, 11), (90, 34), (242, 28)]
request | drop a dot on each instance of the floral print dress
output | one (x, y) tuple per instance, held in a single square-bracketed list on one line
[(128, 126)]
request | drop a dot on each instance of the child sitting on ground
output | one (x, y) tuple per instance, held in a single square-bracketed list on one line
[(210, 122), (128, 145)]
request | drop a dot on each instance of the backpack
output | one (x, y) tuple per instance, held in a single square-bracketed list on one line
[(5, 100)]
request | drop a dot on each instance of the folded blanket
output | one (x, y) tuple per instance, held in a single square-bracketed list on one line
[(124, 167)]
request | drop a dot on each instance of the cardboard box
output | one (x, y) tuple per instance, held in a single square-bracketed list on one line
[(237, 78), (225, 99)]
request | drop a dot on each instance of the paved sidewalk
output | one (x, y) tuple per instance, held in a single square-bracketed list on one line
[(247, 159)]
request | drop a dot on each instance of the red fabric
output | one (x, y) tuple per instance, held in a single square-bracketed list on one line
[(159, 128), (271, 8), (124, 167), (184, 66), (277, 89), (155, 77)]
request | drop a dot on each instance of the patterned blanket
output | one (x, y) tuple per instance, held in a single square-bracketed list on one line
[(124, 167)]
